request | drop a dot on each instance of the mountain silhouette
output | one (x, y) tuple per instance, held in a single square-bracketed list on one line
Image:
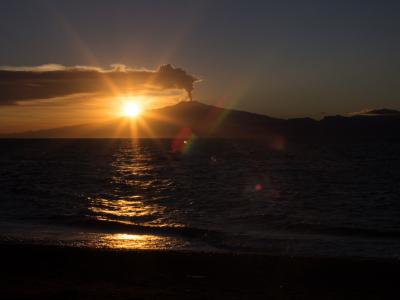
[(207, 121)]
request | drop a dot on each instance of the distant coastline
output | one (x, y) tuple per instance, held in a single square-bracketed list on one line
[(206, 121)]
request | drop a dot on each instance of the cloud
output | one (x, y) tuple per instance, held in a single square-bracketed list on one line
[(58, 81)]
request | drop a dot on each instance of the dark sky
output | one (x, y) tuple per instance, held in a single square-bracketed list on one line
[(280, 58)]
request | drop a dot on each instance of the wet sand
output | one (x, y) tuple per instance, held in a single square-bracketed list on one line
[(50, 272)]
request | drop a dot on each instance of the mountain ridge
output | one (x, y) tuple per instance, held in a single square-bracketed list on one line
[(209, 121)]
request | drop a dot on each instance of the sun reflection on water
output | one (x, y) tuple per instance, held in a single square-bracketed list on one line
[(132, 203), (133, 241), (123, 208)]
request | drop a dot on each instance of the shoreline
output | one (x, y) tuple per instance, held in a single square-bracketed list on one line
[(55, 272)]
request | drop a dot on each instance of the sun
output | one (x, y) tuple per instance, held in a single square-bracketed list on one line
[(131, 109)]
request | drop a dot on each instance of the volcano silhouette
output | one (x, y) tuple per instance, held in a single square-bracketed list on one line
[(206, 121)]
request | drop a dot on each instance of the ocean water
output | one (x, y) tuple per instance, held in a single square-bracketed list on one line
[(203, 195)]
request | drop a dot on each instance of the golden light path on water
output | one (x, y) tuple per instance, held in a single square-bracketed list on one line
[(136, 241), (125, 211)]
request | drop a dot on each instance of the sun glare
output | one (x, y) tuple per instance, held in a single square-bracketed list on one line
[(131, 110)]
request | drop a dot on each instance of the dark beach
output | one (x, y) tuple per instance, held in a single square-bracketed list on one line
[(51, 272)]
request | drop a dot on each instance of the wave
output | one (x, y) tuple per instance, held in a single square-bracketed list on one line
[(341, 231), (110, 226), (113, 226)]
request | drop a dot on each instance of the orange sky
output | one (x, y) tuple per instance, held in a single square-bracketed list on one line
[(53, 95), (43, 114)]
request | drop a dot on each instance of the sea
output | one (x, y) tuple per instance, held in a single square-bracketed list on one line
[(230, 196)]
